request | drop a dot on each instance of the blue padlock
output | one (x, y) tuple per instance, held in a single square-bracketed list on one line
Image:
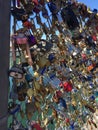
[(96, 94), (89, 77), (52, 7), (51, 57), (14, 109), (45, 13), (92, 97), (42, 70), (62, 103), (28, 78), (95, 11), (72, 125)]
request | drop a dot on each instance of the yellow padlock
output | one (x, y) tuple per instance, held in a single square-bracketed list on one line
[(30, 93)]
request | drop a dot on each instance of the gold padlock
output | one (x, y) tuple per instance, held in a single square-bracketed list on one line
[(30, 93), (74, 103), (36, 74), (38, 33), (54, 113), (36, 84), (43, 61)]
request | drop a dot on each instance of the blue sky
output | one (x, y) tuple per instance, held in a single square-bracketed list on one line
[(90, 3)]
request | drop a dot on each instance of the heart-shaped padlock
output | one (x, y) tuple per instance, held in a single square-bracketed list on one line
[(20, 38)]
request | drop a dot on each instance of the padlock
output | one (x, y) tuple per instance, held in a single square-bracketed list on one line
[(43, 61), (13, 108), (37, 105), (32, 40), (67, 86), (25, 18), (62, 104), (90, 67), (27, 54), (19, 13), (36, 85), (76, 34), (30, 109), (45, 13), (54, 38), (29, 6), (22, 90), (22, 114), (17, 125), (27, 24), (20, 38), (44, 45), (45, 28), (69, 18), (35, 2), (59, 93), (38, 19), (37, 8), (90, 108), (38, 33), (90, 42), (51, 57), (42, 71), (28, 77), (54, 81), (53, 8), (59, 27), (23, 2), (16, 72), (54, 113), (23, 60), (36, 125), (30, 93), (55, 99)]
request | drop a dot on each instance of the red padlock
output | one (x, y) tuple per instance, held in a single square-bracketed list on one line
[(27, 24), (36, 126), (59, 93), (94, 37), (37, 9), (67, 86), (91, 67), (35, 2), (97, 27), (67, 120), (84, 57)]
